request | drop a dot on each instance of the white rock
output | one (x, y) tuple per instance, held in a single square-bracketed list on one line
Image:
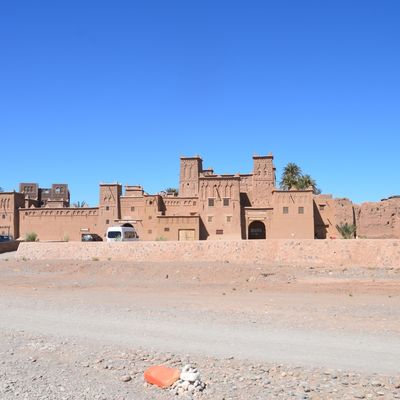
[(190, 376), (185, 385), (180, 391), (126, 378)]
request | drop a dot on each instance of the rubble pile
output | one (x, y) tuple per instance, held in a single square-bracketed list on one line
[(189, 381)]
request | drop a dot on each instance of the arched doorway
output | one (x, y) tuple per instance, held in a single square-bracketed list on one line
[(256, 230), (127, 225)]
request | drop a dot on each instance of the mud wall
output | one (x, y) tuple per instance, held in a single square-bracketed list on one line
[(362, 252), (59, 223), (379, 220)]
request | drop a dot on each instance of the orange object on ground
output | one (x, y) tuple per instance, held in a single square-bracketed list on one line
[(161, 376)]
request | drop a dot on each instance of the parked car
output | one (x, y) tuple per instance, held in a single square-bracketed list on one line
[(91, 237), (122, 234), (5, 238)]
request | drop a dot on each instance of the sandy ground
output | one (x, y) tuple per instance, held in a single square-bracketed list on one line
[(70, 330)]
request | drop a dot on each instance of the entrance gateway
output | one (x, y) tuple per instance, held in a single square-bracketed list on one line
[(256, 230), (186, 234)]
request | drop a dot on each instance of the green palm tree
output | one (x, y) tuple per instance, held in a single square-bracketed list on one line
[(171, 190), (293, 178), (290, 176), (80, 204), (306, 181), (347, 230)]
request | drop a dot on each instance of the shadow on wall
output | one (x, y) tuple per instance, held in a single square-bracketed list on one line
[(203, 230), (319, 225), (245, 202)]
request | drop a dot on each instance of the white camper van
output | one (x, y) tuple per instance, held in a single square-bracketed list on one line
[(122, 234)]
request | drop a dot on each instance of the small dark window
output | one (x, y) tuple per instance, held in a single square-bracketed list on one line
[(4, 217), (286, 210), (149, 231), (107, 208), (210, 202), (194, 203), (114, 235), (132, 208), (130, 235), (107, 221), (301, 210), (166, 229), (151, 202), (322, 207), (150, 217), (226, 202), (228, 218), (219, 232), (210, 218)]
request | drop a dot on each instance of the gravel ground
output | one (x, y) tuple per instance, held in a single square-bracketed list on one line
[(38, 367), (77, 330)]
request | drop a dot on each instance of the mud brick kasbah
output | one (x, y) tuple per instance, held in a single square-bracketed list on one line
[(208, 207)]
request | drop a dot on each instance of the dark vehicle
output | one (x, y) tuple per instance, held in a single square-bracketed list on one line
[(91, 237), (5, 238)]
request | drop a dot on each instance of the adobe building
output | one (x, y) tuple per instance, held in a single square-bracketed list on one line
[(10, 203), (209, 206), (56, 196)]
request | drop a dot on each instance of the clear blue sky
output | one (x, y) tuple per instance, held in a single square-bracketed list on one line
[(100, 91)]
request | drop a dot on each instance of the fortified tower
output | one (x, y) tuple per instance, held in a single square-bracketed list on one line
[(189, 176), (263, 180), (109, 205)]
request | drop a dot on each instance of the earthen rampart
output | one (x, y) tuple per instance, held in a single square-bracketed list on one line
[(306, 253), (58, 223), (379, 220)]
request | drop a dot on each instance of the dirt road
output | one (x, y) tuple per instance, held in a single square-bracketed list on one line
[(274, 317)]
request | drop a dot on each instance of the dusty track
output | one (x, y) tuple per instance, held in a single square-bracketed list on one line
[(316, 318)]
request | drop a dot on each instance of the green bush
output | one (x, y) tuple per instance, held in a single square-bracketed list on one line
[(161, 238), (31, 237)]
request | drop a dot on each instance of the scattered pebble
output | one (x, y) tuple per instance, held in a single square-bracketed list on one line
[(126, 378)]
